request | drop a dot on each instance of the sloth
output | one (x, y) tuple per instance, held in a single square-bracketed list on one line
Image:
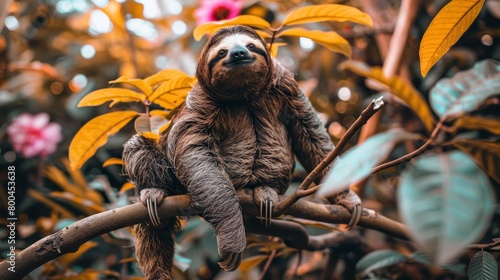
[(241, 126)]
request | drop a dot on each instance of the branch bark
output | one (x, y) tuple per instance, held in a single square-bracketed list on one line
[(69, 239)]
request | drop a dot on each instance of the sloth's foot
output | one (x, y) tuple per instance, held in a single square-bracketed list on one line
[(266, 198), (231, 262), (351, 201), (152, 197)]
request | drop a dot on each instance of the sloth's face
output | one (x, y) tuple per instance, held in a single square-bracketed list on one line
[(238, 65)]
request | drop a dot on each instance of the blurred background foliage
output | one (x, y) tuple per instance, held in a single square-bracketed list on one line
[(54, 52)]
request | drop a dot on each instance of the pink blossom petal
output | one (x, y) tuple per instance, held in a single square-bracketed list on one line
[(52, 133), (23, 120), (40, 120)]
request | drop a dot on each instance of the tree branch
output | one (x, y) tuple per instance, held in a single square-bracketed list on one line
[(303, 190), (70, 238)]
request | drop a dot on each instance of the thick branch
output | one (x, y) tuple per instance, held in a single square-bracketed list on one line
[(69, 239)]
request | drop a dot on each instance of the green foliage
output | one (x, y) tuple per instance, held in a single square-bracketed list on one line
[(467, 90), (434, 192), (378, 260), (357, 163), (483, 266)]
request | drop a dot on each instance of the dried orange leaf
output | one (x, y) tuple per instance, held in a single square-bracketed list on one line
[(114, 95), (445, 30), (112, 161), (327, 12), (252, 262), (127, 186), (397, 86), (95, 134), (212, 27), (330, 40)]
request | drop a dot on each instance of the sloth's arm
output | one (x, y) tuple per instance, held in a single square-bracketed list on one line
[(198, 165), (310, 140)]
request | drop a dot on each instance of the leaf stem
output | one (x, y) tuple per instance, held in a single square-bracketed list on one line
[(412, 154), (303, 189)]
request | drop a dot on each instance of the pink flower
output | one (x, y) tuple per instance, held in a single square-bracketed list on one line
[(214, 10), (33, 135)]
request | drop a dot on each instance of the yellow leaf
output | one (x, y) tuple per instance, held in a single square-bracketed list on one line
[(57, 176), (274, 48), (327, 12), (477, 123), (76, 175), (115, 95), (85, 205), (149, 124), (164, 128), (42, 198), (252, 262), (68, 259), (150, 135), (211, 27), (142, 85), (486, 154), (330, 40), (171, 102), (164, 75), (127, 186), (94, 134), (176, 85), (397, 86), (263, 34), (112, 161), (445, 30)]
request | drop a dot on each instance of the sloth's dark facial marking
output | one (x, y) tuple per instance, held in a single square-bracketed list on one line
[(235, 64)]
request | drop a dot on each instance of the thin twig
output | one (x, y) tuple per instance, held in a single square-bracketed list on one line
[(493, 246), (303, 189), (412, 154), (268, 264)]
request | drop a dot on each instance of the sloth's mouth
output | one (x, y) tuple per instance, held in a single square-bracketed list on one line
[(240, 62)]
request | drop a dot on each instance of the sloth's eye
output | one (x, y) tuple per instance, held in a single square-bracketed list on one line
[(251, 47), (222, 53)]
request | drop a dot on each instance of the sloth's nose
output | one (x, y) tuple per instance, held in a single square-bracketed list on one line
[(239, 53)]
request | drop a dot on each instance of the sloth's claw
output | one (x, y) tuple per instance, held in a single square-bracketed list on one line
[(266, 198), (351, 201), (152, 198), (232, 262)]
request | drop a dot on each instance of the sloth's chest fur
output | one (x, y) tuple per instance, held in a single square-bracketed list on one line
[(254, 145)]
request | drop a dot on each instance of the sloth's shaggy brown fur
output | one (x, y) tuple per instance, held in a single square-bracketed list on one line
[(239, 127)]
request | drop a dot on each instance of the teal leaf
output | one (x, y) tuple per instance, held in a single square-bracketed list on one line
[(447, 203), (467, 90), (377, 260), (357, 163), (483, 266)]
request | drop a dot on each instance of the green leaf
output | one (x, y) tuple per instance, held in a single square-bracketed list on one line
[(327, 12), (377, 260), (94, 134), (466, 90), (358, 162), (445, 30), (399, 87), (483, 266), (486, 154), (330, 40), (447, 203)]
